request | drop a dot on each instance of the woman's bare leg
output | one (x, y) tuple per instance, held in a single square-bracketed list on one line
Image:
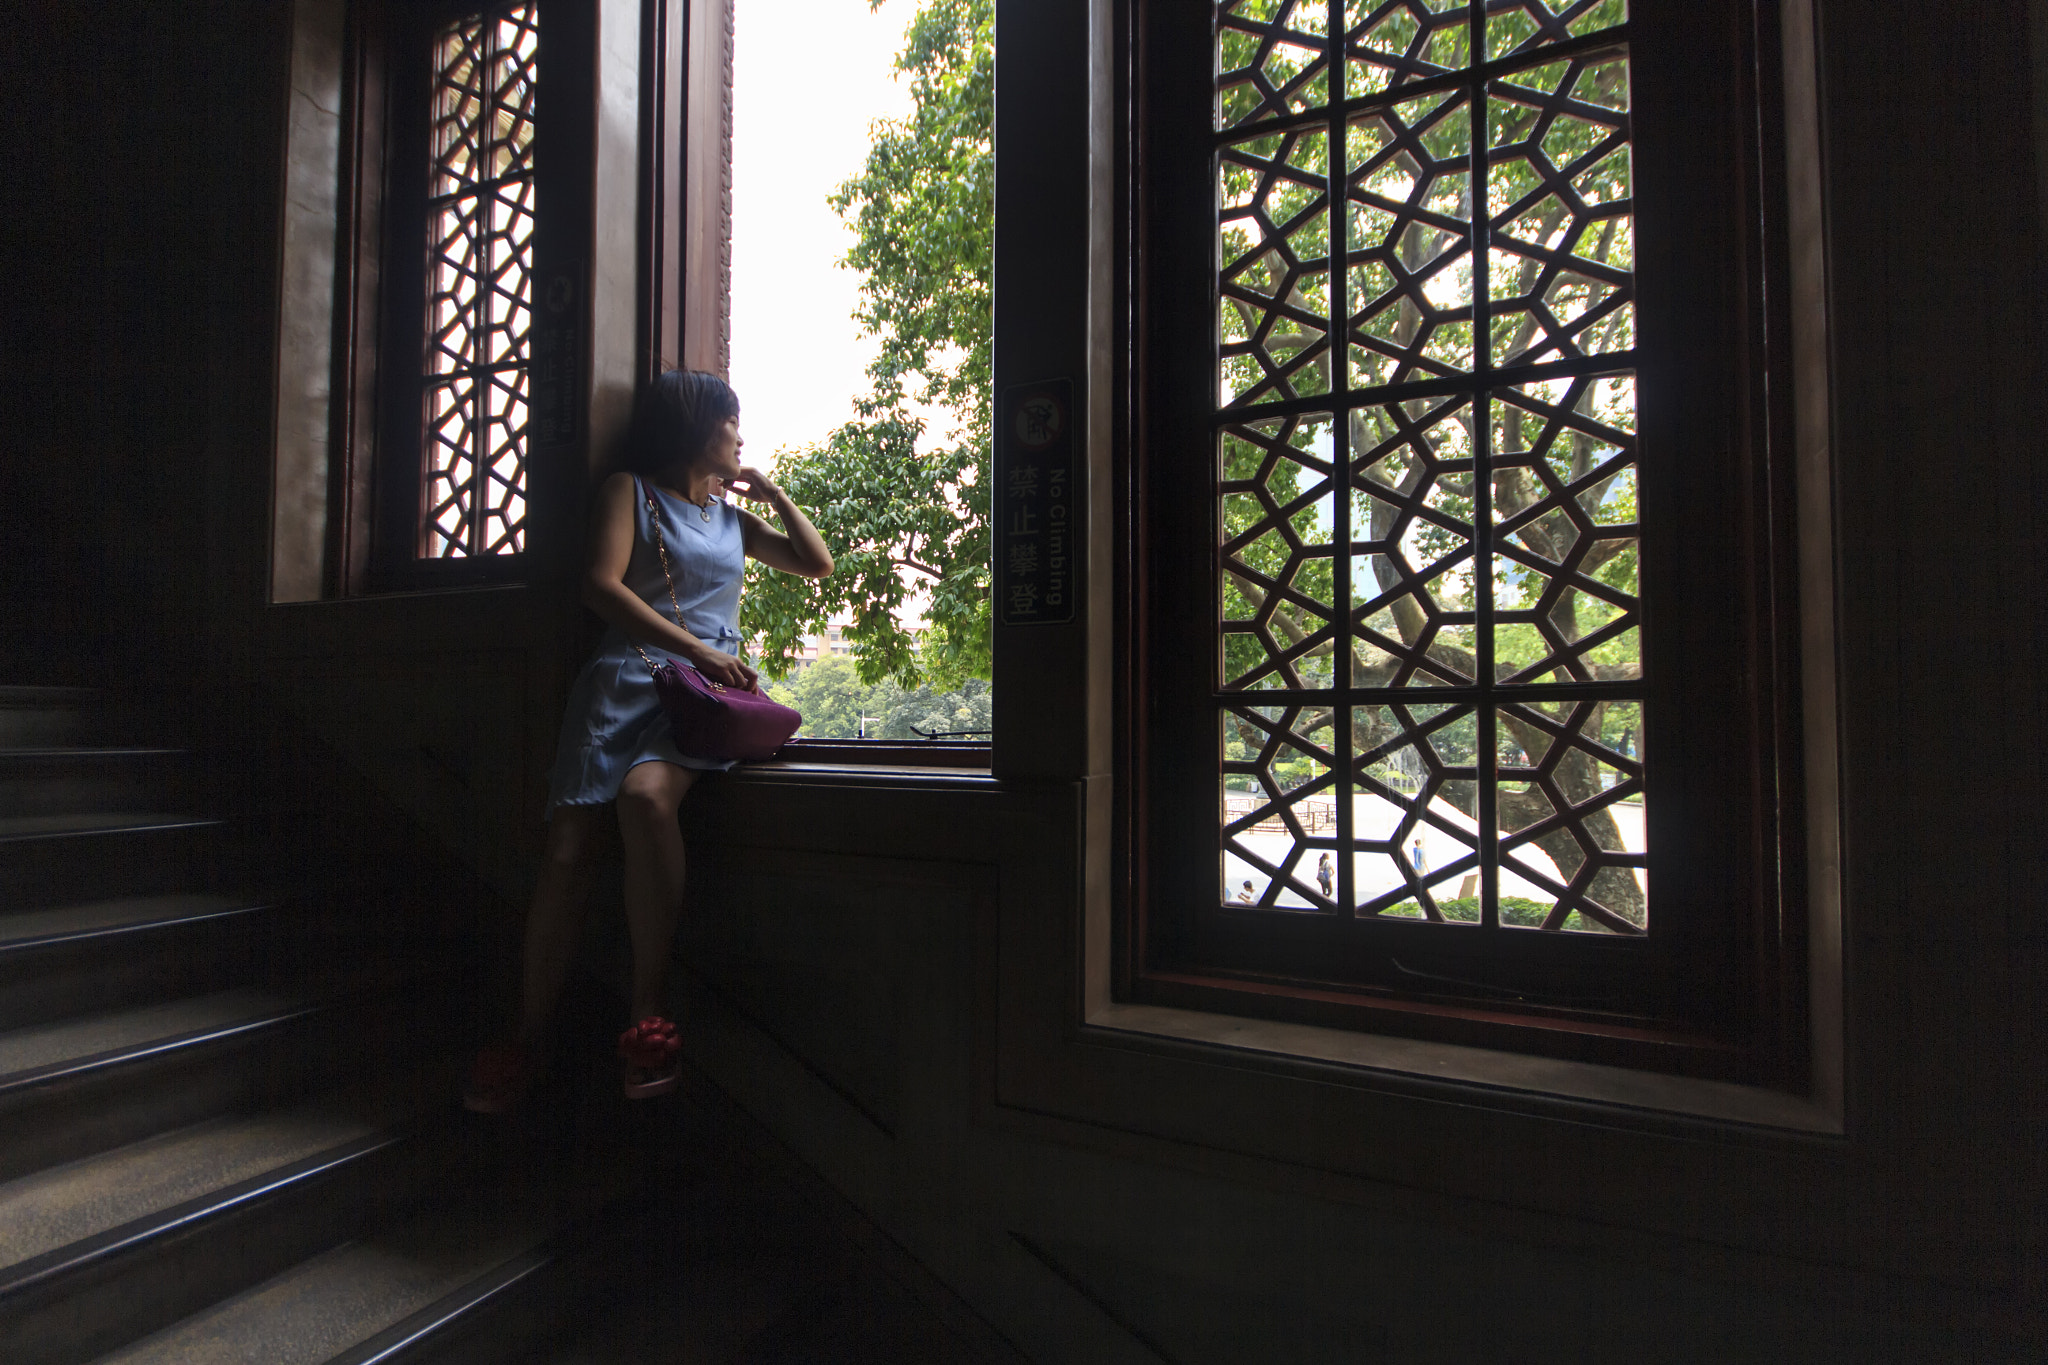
[(555, 921), (648, 799)]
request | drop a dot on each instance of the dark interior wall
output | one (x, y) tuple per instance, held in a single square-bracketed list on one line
[(1937, 292), (127, 128), (855, 947)]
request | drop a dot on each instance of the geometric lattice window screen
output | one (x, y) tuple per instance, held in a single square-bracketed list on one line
[(1429, 687), (480, 217)]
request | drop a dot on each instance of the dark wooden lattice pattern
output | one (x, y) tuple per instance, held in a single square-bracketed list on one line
[(480, 221), (1430, 676)]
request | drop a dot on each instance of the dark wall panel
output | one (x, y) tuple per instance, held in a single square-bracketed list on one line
[(117, 185)]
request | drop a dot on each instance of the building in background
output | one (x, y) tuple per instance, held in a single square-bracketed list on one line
[(837, 639)]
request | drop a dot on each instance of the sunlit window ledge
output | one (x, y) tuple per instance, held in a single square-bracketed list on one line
[(853, 773), (1478, 1067)]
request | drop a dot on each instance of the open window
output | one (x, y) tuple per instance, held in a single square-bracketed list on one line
[(1468, 655), (870, 253)]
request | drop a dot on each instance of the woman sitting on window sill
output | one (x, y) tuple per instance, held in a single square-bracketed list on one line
[(616, 744)]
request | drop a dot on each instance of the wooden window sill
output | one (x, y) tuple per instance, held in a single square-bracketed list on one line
[(839, 771), (1500, 1072)]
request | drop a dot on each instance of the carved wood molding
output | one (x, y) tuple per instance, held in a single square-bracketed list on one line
[(707, 187)]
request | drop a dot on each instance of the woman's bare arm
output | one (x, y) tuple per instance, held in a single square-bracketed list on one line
[(605, 592), (802, 551)]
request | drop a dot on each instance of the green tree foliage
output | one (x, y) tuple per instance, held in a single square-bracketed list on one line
[(833, 698), (924, 210)]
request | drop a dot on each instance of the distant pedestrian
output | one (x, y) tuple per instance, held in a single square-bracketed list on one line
[(1417, 861), (1246, 895), (1325, 874)]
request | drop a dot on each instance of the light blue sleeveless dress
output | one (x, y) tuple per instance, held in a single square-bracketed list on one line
[(614, 719)]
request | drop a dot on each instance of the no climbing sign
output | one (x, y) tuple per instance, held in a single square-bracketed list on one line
[(1037, 535)]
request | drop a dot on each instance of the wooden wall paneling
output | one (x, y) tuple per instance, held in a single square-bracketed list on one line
[(706, 189), (442, 734), (853, 953), (664, 154), (1213, 1313), (1209, 1255), (811, 948), (358, 285), (243, 175), (1812, 434), (932, 1180), (312, 243), (1936, 386), (614, 259), (1045, 187)]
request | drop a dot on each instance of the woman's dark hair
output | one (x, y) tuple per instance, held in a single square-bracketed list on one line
[(676, 416)]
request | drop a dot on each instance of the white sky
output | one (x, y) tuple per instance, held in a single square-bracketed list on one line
[(809, 76)]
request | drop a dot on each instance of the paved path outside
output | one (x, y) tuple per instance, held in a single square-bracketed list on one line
[(1375, 874)]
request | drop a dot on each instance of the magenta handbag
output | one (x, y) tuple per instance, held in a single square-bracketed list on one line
[(711, 720)]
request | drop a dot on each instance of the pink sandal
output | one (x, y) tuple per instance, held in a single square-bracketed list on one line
[(652, 1053)]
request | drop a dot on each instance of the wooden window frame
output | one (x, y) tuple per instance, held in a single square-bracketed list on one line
[(686, 186), (706, 339), (1727, 837), (374, 521), (662, 220)]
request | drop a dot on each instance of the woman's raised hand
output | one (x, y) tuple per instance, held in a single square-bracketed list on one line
[(752, 483)]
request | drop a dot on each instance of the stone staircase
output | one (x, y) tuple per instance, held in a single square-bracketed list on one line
[(226, 1120), (228, 1130)]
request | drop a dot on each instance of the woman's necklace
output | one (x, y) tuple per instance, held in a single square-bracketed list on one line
[(703, 508)]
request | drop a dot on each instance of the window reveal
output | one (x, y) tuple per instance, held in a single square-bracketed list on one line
[(1430, 687), (479, 304)]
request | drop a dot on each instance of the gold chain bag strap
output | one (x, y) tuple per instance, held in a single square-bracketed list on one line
[(711, 720)]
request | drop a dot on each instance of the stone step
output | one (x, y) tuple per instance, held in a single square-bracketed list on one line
[(55, 859), (57, 925), (131, 950), (29, 833), (47, 715), (132, 1278), (59, 780), (61, 1208), (96, 1082), (456, 1282)]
